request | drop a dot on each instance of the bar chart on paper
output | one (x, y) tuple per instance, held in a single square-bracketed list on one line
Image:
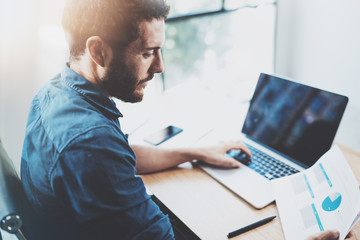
[(332, 202)]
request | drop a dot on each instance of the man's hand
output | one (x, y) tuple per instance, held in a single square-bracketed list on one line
[(331, 235), (327, 235), (151, 159), (216, 154), (351, 236)]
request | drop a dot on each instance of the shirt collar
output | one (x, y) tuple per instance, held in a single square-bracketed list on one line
[(90, 91)]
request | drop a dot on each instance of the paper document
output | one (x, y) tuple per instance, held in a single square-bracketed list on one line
[(323, 197)]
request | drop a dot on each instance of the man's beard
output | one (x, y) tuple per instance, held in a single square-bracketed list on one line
[(120, 83)]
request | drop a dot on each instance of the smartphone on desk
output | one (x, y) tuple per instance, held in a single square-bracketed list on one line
[(162, 135)]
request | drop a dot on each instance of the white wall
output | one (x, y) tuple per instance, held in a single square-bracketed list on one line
[(318, 43), (32, 50)]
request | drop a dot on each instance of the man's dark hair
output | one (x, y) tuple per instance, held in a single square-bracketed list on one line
[(115, 21)]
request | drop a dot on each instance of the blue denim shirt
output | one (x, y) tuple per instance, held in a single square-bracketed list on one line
[(78, 170)]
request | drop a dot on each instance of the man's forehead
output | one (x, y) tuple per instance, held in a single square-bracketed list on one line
[(152, 33)]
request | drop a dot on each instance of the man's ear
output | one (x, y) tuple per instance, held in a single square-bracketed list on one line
[(99, 51)]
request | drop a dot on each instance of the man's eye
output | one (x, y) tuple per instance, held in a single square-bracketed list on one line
[(146, 55)]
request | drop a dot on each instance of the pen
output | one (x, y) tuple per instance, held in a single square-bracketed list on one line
[(250, 227)]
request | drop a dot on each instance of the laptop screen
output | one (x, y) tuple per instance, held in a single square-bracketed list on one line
[(293, 119)]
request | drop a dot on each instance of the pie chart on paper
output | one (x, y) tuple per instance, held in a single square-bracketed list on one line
[(332, 202)]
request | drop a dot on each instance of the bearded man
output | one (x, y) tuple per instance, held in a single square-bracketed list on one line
[(78, 170)]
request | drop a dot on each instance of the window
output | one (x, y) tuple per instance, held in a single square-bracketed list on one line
[(188, 7), (209, 41)]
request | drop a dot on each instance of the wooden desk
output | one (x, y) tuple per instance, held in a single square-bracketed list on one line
[(211, 210)]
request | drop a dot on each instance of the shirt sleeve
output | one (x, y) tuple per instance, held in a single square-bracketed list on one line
[(95, 177)]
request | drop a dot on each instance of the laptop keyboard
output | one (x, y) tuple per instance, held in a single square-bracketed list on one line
[(263, 163)]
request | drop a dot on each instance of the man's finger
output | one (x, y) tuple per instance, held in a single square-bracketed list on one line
[(327, 235), (240, 146), (229, 161)]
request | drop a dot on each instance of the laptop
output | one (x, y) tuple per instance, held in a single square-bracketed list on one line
[(288, 127)]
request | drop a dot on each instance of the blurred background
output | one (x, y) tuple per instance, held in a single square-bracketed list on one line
[(218, 44)]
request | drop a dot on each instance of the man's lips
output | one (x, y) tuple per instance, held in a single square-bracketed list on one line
[(144, 82)]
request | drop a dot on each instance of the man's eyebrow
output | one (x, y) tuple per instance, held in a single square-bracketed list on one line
[(153, 48)]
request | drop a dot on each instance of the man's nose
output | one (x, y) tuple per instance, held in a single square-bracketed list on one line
[(157, 65)]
